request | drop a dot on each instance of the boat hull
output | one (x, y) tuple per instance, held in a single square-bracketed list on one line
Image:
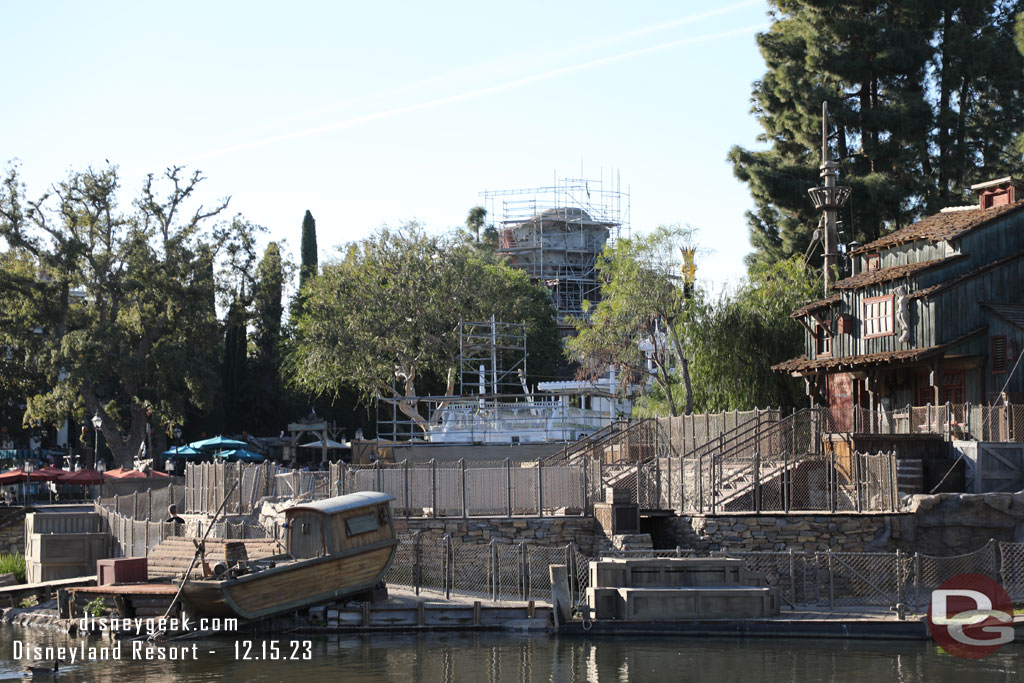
[(293, 585)]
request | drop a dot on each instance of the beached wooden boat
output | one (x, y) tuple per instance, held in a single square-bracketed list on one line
[(337, 547)]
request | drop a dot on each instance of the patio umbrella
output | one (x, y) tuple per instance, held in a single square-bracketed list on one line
[(156, 473), (241, 454), (133, 474), (217, 442), (52, 473), (86, 477), (181, 452), (331, 443), (19, 474)]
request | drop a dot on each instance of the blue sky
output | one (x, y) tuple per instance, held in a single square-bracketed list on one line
[(371, 113)]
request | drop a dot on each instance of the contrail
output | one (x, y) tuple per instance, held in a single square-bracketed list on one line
[(499, 62), (481, 92)]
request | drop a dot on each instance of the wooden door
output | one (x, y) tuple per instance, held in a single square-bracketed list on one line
[(307, 536)]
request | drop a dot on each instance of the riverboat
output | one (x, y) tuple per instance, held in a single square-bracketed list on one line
[(336, 548)]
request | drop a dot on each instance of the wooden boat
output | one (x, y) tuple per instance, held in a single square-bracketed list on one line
[(337, 547)]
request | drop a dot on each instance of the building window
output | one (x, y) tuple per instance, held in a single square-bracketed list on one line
[(822, 341), (876, 316), (874, 262), (998, 354)]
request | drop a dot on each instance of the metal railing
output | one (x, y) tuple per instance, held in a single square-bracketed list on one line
[(492, 571)]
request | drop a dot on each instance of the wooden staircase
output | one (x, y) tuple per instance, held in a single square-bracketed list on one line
[(172, 557)]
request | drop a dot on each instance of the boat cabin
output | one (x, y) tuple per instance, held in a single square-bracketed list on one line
[(338, 525)]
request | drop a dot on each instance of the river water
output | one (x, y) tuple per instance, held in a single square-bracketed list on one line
[(443, 657)]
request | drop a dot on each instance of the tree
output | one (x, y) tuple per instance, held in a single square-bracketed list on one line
[(264, 388), (735, 339), (637, 323), (384, 317), (475, 220), (122, 299), (308, 250), (926, 98)]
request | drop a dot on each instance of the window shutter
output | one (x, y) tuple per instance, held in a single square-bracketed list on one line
[(999, 355)]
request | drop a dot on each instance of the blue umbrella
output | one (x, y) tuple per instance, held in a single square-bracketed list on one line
[(217, 442), (241, 454), (181, 452)]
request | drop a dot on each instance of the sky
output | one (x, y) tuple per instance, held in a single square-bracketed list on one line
[(380, 113)]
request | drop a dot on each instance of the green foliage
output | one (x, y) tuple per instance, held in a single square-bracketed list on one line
[(111, 311), (96, 607), (736, 339), (925, 98), (308, 250), (641, 302), (383, 319), (13, 563), (475, 220), (264, 390)]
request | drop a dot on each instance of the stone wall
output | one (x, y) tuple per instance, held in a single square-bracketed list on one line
[(543, 531), (12, 533), (956, 523), (846, 533), (941, 525)]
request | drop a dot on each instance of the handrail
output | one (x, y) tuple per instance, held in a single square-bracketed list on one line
[(742, 429)]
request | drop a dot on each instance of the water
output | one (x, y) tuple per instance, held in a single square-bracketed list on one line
[(489, 657)]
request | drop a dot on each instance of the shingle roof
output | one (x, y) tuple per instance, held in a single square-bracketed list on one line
[(1011, 313), (942, 226), (803, 364), (980, 270), (891, 273), (815, 305)]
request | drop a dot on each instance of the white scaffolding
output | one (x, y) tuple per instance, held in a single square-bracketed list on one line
[(556, 234)]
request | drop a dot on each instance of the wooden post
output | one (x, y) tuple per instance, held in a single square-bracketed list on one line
[(508, 486), (462, 472), (540, 491), (787, 482), (135, 505), (492, 566), (447, 566), (583, 465), (561, 601), (433, 487), (757, 481), (405, 487)]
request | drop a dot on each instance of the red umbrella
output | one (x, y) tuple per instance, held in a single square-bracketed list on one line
[(115, 473), (155, 473), (131, 474), (19, 474), (86, 477), (52, 473)]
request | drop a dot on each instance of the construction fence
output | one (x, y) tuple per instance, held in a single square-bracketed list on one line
[(900, 582), (469, 488)]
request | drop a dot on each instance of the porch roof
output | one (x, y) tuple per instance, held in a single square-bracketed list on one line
[(800, 366)]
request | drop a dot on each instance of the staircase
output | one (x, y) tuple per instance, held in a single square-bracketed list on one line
[(171, 558)]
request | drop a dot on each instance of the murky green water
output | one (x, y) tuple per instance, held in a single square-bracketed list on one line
[(503, 657)]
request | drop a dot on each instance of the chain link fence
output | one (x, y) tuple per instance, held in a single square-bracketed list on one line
[(896, 581)]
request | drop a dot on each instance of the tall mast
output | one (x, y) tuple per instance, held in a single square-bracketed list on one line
[(829, 198)]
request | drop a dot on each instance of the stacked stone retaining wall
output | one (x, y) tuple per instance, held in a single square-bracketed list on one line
[(543, 531)]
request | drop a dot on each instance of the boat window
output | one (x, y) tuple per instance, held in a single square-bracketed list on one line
[(361, 524)]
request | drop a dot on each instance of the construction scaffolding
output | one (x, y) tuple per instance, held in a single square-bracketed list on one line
[(492, 357), (556, 235)]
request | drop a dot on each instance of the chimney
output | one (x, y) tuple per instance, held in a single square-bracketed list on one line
[(997, 192)]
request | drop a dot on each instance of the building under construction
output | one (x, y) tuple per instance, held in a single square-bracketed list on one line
[(556, 234)]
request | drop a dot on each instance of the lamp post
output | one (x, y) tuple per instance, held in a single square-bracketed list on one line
[(97, 422), (28, 484)]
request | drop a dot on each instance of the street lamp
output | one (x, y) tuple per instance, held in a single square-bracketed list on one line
[(28, 468), (177, 434), (97, 422)]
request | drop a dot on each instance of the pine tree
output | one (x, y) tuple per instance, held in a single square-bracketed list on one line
[(926, 98)]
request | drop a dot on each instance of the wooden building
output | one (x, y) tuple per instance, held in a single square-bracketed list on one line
[(933, 312)]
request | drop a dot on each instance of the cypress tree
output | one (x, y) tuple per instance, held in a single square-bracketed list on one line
[(308, 249), (925, 97)]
